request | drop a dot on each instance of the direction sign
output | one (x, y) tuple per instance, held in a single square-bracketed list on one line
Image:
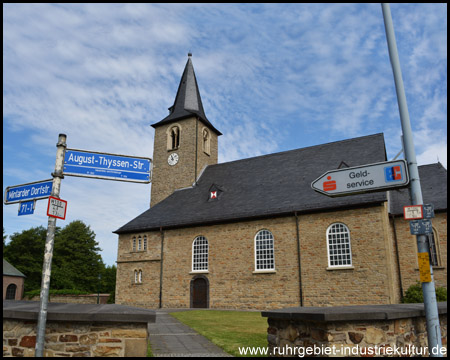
[(30, 191), (107, 166), (363, 179), (56, 208)]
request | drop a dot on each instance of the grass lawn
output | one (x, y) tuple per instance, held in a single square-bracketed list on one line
[(227, 329)]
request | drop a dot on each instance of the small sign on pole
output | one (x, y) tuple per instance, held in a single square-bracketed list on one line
[(420, 227), (26, 207), (428, 211), (57, 208), (413, 212)]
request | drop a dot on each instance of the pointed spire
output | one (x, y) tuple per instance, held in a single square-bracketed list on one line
[(187, 101)]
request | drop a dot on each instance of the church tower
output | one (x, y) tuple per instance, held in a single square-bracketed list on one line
[(185, 141)]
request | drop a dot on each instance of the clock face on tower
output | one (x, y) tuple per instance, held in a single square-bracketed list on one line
[(173, 159)]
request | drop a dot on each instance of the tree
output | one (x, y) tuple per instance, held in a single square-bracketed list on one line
[(25, 252), (76, 261)]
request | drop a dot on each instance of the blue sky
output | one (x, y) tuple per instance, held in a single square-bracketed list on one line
[(272, 77)]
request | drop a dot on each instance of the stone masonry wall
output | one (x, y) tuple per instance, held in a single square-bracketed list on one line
[(233, 282), (75, 339), (351, 338)]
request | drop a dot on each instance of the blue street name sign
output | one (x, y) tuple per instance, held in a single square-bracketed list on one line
[(107, 166), (26, 208), (30, 191)]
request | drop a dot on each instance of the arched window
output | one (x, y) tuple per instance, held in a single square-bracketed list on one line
[(138, 276), (200, 254), (338, 245), (134, 243), (139, 243), (264, 251), (11, 292), (206, 141), (173, 138), (145, 242), (434, 248)]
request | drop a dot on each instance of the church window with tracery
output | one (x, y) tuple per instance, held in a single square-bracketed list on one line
[(200, 250), (264, 251), (338, 245)]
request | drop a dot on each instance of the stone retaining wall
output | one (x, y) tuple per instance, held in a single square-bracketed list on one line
[(75, 330), (76, 299), (383, 330), (77, 339)]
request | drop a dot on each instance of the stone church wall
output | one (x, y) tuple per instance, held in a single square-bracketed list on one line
[(234, 284)]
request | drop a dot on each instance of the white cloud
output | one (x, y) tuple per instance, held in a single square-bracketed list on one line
[(272, 77)]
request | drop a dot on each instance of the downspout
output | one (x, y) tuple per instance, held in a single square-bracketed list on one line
[(398, 259), (161, 267), (299, 261)]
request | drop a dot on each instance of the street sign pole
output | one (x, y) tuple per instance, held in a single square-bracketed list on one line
[(48, 252), (428, 288)]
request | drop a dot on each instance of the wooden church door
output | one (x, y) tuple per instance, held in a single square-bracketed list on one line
[(199, 293)]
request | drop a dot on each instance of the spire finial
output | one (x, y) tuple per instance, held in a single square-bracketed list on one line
[(189, 54)]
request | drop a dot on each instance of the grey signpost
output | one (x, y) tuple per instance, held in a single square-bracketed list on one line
[(428, 288), (48, 251)]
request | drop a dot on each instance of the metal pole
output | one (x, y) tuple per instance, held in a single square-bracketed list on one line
[(428, 289), (48, 252)]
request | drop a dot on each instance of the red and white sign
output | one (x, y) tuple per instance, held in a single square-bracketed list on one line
[(413, 212), (56, 208), (214, 194)]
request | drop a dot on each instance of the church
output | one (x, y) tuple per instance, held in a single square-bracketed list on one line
[(253, 234)]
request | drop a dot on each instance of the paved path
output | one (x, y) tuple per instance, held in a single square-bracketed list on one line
[(170, 338)]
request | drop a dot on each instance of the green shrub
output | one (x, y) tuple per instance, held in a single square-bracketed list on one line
[(414, 294)]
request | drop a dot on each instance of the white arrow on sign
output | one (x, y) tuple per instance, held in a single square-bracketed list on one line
[(363, 179)]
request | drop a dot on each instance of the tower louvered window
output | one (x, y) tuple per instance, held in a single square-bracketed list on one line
[(338, 244), (174, 138)]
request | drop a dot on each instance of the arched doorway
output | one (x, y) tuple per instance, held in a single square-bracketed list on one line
[(199, 292)]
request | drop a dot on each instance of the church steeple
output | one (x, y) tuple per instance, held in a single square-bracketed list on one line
[(185, 141), (187, 101)]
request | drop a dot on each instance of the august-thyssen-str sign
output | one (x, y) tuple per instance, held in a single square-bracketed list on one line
[(363, 179), (107, 166)]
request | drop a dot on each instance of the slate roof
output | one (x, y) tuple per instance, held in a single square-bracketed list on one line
[(433, 181), (10, 270), (264, 186), (187, 101)]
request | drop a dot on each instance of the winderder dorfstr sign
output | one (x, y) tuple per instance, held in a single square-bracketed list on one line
[(363, 179)]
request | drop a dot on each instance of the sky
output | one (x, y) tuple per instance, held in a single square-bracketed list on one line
[(272, 77)]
